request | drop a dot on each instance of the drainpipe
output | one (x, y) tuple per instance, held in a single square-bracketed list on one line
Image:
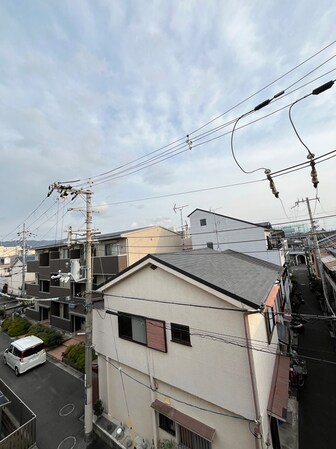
[(258, 441), (153, 388)]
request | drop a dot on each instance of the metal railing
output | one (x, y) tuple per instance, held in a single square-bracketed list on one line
[(23, 420)]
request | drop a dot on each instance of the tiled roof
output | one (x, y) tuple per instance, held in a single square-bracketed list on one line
[(243, 277)]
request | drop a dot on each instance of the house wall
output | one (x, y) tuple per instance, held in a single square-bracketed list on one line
[(151, 241), (227, 233), (211, 369), (264, 360), (128, 402)]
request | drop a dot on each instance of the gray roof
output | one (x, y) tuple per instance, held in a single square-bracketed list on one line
[(242, 277)]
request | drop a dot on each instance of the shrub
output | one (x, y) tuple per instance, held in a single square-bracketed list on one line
[(15, 326), (98, 408), (74, 356), (50, 337)]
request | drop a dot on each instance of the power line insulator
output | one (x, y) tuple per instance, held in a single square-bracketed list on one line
[(272, 186), (313, 174)]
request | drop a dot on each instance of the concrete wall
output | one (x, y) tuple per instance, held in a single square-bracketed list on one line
[(152, 240)]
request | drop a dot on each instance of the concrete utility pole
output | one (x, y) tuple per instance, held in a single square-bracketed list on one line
[(88, 410), (317, 249), (88, 415), (24, 250)]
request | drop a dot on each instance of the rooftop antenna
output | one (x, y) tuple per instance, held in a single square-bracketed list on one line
[(180, 208)]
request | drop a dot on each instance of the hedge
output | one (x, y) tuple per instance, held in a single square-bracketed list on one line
[(15, 326)]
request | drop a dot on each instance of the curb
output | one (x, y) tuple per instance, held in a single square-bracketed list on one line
[(65, 367)]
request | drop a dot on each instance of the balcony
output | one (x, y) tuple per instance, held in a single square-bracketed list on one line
[(18, 422)]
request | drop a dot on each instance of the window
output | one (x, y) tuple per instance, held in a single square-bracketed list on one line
[(203, 221), (143, 330), (34, 350), (45, 286), (112, 249), (190, 440), (167, 424), (44, 260), (180, 334), (270, 322), (210, 245)]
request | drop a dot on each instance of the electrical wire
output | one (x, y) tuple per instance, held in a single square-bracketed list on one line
[(265, 87), (143, 164)]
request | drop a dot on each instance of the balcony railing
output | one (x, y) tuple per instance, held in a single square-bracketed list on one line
[(21, 419)]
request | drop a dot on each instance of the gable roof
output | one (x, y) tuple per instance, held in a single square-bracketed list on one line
[(259, 225), (244, 278)]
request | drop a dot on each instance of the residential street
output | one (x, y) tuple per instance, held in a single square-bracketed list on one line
[(317, 406), (56, 397)]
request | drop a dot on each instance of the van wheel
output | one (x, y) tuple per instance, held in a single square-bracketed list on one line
[(5, 361), (16, 371)]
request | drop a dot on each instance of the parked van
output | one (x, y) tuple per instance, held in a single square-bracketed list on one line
[(25, 353)]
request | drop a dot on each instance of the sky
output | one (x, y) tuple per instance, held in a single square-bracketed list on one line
[(103, 94)]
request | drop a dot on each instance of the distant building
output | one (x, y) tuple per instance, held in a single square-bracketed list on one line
[(220, 232), (60, 273)]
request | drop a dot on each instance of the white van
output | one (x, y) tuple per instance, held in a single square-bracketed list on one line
[(25, 353)]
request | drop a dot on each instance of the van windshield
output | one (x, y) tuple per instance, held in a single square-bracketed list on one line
[(31, 351)]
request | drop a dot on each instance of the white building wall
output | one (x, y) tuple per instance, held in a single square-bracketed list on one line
[(223, 365), (128, 402), (264, 360), (227, 233)]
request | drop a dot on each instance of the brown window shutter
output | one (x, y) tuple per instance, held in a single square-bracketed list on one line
[(156, 335)]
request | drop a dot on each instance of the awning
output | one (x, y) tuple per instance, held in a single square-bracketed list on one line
[(278, 399), (184, 420)]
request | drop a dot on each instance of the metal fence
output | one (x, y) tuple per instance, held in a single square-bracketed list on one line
[(23, 420)]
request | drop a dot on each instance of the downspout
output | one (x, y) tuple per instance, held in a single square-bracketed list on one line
[(258, 441), (153, 388)]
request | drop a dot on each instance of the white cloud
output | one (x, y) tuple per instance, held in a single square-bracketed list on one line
[(87, 87)]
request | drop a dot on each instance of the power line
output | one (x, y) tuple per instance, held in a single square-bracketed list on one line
[(145, 164)]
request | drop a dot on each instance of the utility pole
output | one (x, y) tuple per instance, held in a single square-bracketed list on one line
[(88, 414), (23, 290), (317, 250), (24, 234), (88, 410)]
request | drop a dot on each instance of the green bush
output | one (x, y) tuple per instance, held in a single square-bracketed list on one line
[(74, 356), (15, 326), (50, 337)]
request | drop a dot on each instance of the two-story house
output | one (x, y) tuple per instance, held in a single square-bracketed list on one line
[(220, 232), (60, 272), (188, 351)]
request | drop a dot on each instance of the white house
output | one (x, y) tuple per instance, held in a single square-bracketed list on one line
[(188, 351), (220, 232), (11, 274)]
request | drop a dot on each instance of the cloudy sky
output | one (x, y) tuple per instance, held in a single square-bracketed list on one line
[(109, 90)]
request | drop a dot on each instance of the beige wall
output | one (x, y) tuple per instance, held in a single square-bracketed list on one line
[(232, 433), (212, 371), (151, 240)]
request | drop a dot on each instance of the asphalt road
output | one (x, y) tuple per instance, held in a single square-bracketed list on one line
[(317, 406), (57, 399)]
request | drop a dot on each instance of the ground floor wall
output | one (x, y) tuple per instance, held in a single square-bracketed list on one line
[(128, 396)]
